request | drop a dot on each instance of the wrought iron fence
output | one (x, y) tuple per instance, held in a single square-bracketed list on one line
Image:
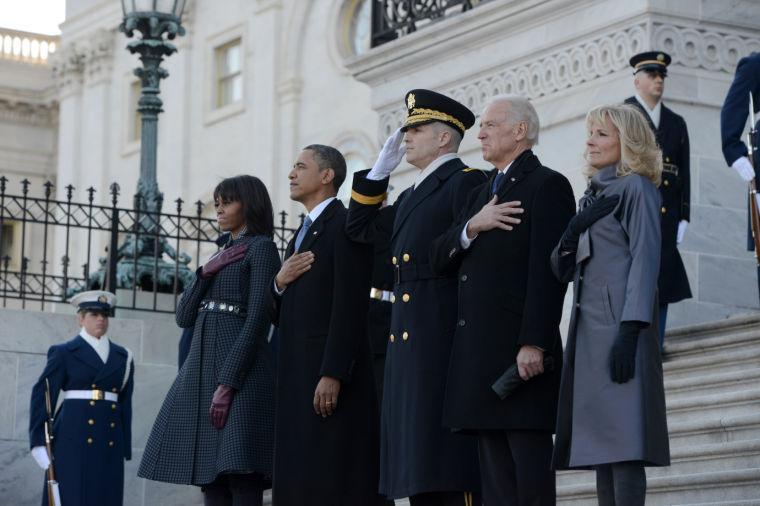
[(36, 230), (392, 19)]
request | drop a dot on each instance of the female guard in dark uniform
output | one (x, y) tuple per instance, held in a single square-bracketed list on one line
[(92, 433), (215, 428)]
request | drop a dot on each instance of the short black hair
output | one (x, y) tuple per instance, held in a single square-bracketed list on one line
[(253, 195), (328, 157)]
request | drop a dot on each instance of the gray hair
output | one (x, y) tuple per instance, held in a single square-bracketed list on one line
[(520, 109), (456, 137)]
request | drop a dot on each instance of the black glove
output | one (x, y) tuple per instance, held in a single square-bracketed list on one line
[(584, 219), (623, 354)]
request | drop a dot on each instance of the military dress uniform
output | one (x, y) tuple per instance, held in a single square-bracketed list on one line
[(675, 190), (92, 433), (419, 455), (733, 117)]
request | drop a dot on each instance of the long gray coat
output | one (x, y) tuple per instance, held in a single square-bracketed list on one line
[(615, 273), (183, 446)]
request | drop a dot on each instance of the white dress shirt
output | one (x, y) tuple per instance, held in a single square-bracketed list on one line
[(101, 345), (654, 114), (424, 173), (313, 215), (465, 241)]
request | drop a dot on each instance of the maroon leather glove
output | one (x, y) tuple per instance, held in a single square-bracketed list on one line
[(225, 257), (220, 406)]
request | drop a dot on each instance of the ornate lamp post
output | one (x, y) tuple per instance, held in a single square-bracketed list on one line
[(140, 258)]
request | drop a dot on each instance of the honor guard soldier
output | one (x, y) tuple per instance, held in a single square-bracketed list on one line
[(650, 70), (91, 432), (420, 459), (733, 121)]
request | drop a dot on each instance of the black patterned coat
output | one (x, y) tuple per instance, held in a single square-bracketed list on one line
[(183, 446), (418, 454), (675, 192), (322, 327)]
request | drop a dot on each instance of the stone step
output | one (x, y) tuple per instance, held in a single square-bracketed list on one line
[(750, 502), (734, 403), (713, 487), (714, 429), (693, 333), (718, 360), (690, 460), (706, 343), (713, 383)]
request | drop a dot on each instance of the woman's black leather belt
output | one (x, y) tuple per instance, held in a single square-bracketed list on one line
[(222, 307)]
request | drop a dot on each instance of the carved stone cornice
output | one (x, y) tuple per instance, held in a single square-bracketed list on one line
[(68, 69), (29, 113), (98, 50), (692, 47)]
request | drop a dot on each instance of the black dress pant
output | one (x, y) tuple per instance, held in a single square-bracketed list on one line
[(515, 468), (235, 490), (445, 499)]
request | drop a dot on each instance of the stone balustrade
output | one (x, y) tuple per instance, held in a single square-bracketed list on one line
[(26, 46)]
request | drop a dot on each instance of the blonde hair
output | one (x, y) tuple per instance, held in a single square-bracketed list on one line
[(639, 153)]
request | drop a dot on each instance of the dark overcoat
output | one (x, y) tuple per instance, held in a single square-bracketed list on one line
[(733, 118), (322, 326), (227, 349), (508, 297), (418, 454), (92, 438), (675, 191), (379, 315), (615, 280)]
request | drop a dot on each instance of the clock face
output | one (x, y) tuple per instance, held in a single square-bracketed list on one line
[(360, 26)]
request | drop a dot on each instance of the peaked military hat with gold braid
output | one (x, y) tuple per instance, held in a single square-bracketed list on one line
[(425, 106)]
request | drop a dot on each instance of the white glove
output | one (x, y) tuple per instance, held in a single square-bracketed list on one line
[(390, 156), (681, 230), (744, 168), (41, 457)]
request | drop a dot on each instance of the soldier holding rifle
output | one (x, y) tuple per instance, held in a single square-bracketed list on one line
[(743, 99), (84, 445)]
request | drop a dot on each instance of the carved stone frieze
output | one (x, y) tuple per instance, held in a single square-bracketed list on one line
[(543, 75), (98, 50), (30, 113), (68, 68)]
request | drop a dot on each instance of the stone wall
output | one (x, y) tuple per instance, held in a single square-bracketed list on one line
[(25, 337)]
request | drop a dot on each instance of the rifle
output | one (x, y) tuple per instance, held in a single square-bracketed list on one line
[(54, 495)]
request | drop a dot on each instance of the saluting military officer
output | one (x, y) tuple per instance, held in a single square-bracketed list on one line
[(92, 430), (650, 70), (420, 459)]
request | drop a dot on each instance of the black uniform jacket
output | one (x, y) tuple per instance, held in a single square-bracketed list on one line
[(322, 322), (508, 297), (733, 118), (675, 190), (418, 454)]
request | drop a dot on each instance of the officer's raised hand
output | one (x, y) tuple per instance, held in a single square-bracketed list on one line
[(293, 268), (493, 215), (390, 156)]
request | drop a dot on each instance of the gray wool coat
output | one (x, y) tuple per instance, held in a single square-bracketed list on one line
[(228, 349), (615, 272)]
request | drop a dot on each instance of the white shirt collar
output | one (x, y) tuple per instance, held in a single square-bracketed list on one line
[(433, 165), (505, 169), (654, 114), (101, 346), (314, 213)]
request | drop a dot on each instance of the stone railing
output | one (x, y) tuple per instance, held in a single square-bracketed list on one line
[(26, 46)]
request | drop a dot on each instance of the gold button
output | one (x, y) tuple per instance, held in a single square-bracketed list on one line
[(113, 390), (113, 424), (94, 385), (113, 406), (110, 443), (666, 183), (393, 298), (91, 421), (663, 210), (405, 336), (394, 260), (393, 338), (92, 403), (667, 159), (406, 297), (407, 257), (89, 440)]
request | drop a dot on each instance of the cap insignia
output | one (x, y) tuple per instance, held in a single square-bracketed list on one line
[(660, 57), (103, 299), (410, 101)]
